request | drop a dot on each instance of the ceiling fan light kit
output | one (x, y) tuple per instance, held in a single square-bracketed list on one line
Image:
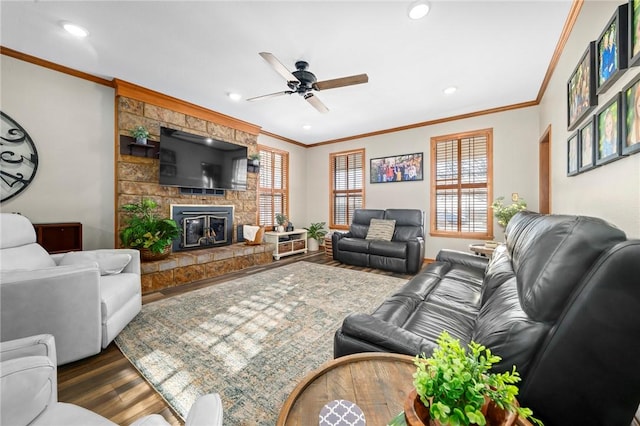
[(303, 82)]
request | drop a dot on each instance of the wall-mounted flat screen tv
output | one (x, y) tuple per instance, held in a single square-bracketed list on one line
[(194, 161)]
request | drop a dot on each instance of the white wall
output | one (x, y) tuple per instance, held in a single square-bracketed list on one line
[(612, 191), (515, 169), (71, 121)]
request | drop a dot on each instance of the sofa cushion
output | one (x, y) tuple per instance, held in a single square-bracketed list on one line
[(361, 219), (409, 223), (357, 245), (381, 229), (109, 263), (551, 255), (26, 257), (388, 249)]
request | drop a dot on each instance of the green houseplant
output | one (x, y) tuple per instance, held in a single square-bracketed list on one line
[(148, 232), (281, 220), (140, 133), (315, 235), (458, 388), (504, 213)]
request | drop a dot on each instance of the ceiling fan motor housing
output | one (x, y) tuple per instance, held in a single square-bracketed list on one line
[(306, 79)]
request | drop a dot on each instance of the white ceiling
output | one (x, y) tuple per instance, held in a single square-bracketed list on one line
[(495, 52)]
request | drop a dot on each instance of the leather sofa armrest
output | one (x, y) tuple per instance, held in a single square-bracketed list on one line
[(415, 254), (28, 378), (335, 237), (62, 300), (462, 258), (383, 334)]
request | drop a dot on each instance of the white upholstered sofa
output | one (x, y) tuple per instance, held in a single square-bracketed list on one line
[(84, 299), (29, 391)]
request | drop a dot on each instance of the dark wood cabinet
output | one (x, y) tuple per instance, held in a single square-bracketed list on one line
[(59, 237)]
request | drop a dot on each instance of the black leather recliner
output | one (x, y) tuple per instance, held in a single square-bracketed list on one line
[(560, 301), (403, 254)]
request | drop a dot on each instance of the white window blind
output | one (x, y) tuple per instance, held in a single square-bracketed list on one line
[(273, 186), (347, 186), (460, 187)]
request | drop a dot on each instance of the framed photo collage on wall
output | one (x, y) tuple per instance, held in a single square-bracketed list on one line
[(613, 130)]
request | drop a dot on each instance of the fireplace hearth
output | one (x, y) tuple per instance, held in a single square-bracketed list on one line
[(202, 226)]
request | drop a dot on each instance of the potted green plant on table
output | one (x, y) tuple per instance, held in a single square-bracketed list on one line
[(281, 220), (147, 231), (455, 387), (254, 159), (140, 133), (315, 234), (504, 213)]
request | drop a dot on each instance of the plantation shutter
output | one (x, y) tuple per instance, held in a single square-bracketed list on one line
[(347, 186), (461, 176), (273, 184)]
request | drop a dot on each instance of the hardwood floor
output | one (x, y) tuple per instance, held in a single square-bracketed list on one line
[(109, 385)]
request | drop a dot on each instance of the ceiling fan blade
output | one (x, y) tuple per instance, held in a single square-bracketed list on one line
[(341, 82), (270, 95), (316, 103), (277, 65)]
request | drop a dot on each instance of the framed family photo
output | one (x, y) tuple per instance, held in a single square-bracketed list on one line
[(611, 49), (397, 168), (608, 131), (631, 117), (586, 137), (634, 33), (572, 155), (581, 88)]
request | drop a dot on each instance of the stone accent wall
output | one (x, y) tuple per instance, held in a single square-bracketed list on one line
[(137, 177)]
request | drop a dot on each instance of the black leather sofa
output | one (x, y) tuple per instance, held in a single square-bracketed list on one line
[(560, 300), (403, 254)]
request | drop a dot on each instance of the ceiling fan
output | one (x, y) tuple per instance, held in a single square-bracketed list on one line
[(303, 82)]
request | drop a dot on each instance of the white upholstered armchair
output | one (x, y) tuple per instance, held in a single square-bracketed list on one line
[(84, 299), (29, 391)]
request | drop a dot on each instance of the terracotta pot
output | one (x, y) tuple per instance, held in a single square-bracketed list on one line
[(149, 256), (416, 414)]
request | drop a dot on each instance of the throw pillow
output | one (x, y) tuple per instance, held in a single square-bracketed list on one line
[(381, 229), (109, 263)]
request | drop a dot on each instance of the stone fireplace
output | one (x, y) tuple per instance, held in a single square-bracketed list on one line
[(203, 226)]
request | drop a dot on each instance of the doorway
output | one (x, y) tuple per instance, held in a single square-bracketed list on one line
[(544, 183)]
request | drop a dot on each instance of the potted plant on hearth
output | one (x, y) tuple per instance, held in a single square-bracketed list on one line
[(281, 220), (315, 234), (141, 134), (148, 232), (254, 159), (455, 387)]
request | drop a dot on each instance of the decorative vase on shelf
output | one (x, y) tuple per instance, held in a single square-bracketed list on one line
[(141, 140), (279, 228)]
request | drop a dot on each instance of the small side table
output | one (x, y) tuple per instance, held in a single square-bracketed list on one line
[(481, 249), (328, 246)]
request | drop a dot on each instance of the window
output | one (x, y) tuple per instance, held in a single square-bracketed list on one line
[(347, 186), (273, 185), (461, 170)]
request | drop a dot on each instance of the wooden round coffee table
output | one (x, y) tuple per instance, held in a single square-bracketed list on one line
[(377, 382)]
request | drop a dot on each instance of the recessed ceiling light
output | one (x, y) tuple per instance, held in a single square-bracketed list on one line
[(307, 127), (450, 90), (234, 96), (418, 9), (75, 30)]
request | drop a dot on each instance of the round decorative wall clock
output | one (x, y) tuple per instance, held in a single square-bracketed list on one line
[(18, 158)]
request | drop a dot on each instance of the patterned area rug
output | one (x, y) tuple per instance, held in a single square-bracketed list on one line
[(251, 339)]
